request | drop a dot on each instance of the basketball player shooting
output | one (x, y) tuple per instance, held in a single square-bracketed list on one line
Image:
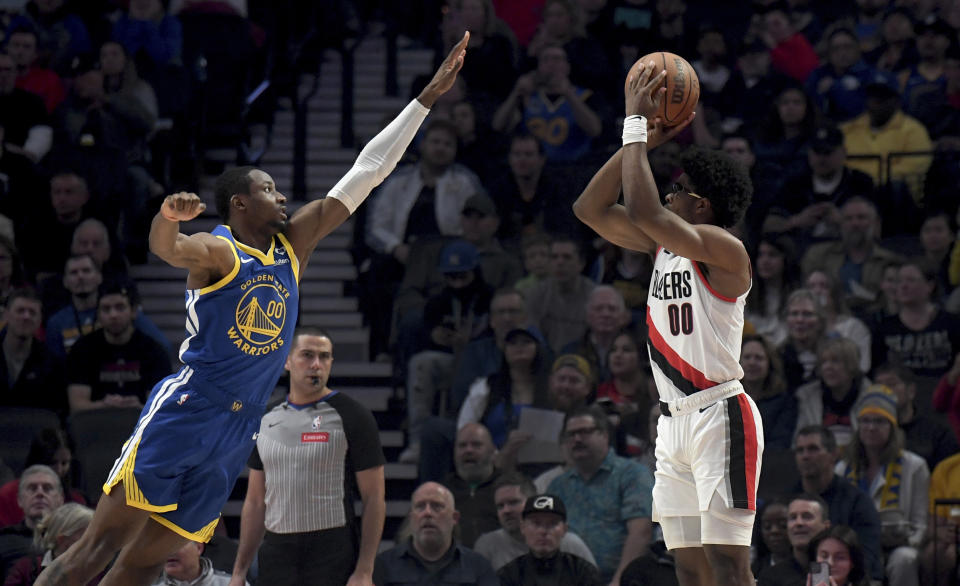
[(710, 437), (200, 424)]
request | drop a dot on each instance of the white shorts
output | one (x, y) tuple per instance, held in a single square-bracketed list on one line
[(708, 467)]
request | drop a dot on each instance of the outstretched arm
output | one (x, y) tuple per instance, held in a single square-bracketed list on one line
[(709, 244), (320, 217)]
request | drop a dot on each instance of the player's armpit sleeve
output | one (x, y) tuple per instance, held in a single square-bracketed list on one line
[(379, 157)]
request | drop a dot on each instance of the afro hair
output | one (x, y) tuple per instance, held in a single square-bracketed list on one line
[(720, 179)]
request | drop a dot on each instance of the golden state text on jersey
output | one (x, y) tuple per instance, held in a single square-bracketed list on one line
[(238, 328)]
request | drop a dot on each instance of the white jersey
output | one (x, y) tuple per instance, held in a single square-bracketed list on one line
[(694, 333)]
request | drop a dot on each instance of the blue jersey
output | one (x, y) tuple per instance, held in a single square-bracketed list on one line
[(238, 327)]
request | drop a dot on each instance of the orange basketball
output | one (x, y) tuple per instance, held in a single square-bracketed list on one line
[(683, 86)]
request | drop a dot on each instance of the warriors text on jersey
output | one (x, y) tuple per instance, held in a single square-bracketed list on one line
[(237, 328), (694, 333)]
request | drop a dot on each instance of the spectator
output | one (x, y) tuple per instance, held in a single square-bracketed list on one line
[(431, 551), (924, 83), (32, 376), (39, 493), (674, 30), (829, 400), (115, 366), (839, 547), (45, 241), (22, 47), (473, 482), (120, 77), (790, 51), (922, 336), (478, 147), (807, 516), (49, 447), (56, 532), (419, 201), (816, 455), (92, 237), (535, 250), (925, 436), (839, 320), (776, 275), (528, 199), (81, 278), (507, 543), (655, 566), (458, 314), (557, 306), (944, 125), (885, 304), (806, 326), (838, 85), (938, 561), (764, 381), (771, 544), (784, 135), (188, 566), (856, 259), (422, 200), (544, 525), (761, 84), (628, 392), (62, 37), (807, 207), (713, 73), (609, 496), (422, 280), (873, 460), (481, 357), (23, 115), (572, 383), (546, 99), (562, 26), (765, 179), (149, 35), (937, 234), (497, 400), (883, 129), (492, 49), (606, 314), (946, 397), (898, 49)]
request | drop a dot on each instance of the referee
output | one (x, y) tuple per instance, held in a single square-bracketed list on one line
[(314, 452)]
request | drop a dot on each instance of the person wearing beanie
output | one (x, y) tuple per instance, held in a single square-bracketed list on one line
[(896, 479)]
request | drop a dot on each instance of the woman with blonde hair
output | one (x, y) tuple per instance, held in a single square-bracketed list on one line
[(53, 535), (829, 399), (896, 479)]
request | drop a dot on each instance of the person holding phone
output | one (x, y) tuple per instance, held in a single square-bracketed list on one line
[(837, 559)]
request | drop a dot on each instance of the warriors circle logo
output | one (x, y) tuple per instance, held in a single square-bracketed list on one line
[(261, 314)]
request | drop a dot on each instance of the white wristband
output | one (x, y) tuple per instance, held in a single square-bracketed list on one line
[(634, 129)]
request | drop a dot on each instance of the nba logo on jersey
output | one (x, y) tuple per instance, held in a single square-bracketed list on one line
[(316, 423), (183, 398)]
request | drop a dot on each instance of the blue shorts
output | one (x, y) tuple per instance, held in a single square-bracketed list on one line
[(186, 452)]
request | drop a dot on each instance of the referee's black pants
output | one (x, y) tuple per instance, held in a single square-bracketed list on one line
[(307, 559)]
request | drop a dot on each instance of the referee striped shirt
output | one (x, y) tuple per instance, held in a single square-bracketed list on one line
[(310, 455)]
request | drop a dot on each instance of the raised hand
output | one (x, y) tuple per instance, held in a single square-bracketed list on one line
[(657, 133), (644, 91), (182, 207), (447, 73)]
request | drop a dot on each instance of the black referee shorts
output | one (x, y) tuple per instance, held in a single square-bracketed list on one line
[(301, 559)]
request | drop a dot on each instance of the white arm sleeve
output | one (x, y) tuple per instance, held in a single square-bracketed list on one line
[(379, 157)]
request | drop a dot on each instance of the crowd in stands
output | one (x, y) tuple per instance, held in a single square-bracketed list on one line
[(517, 336)]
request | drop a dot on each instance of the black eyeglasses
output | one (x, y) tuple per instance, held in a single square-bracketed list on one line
[(677, 188), (575, 433)]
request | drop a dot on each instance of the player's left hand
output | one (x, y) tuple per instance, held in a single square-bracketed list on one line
[(657, 133), (447, 74), (645, 91)]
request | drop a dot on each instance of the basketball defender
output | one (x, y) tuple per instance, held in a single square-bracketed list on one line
[(710, 437), (200, 424)]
